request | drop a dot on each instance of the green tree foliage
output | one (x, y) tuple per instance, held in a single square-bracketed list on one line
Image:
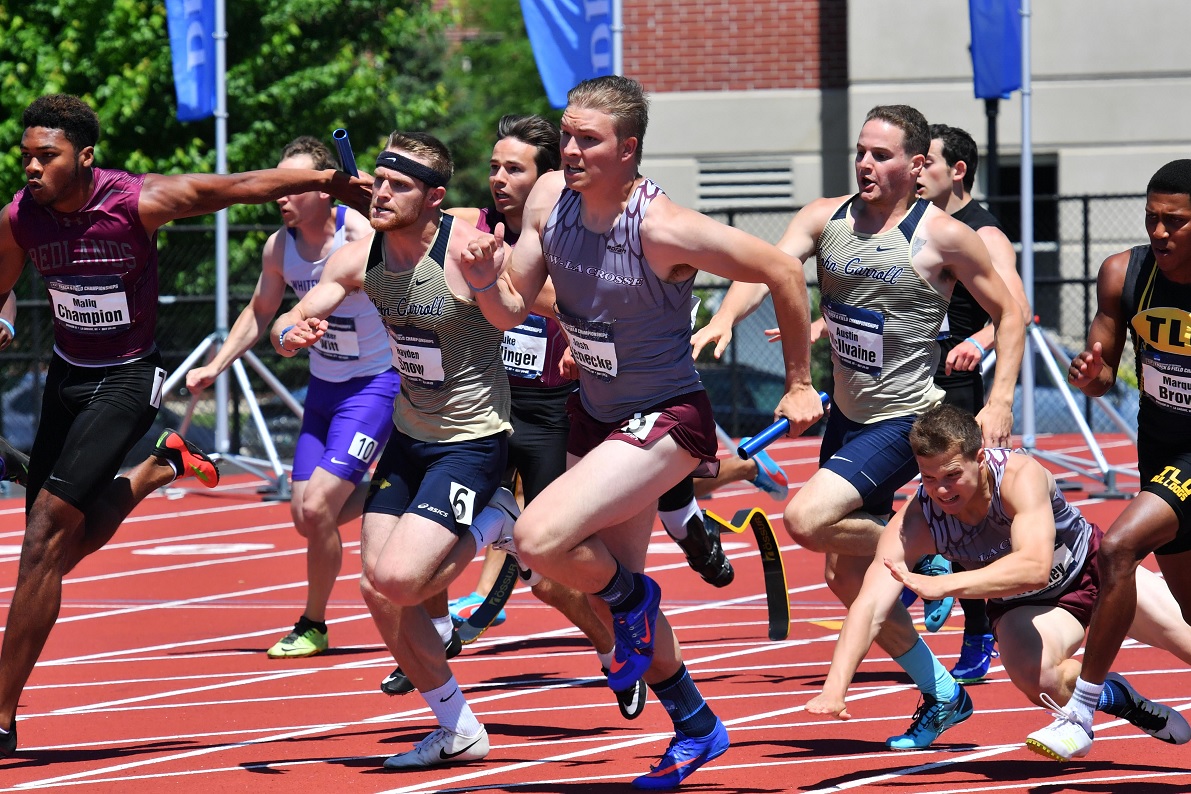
[(491, 73), (295, 67)]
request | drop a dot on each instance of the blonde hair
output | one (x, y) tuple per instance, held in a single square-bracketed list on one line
[(622, 98)]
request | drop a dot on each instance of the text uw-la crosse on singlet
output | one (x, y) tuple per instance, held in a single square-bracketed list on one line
[(453, 384), (100, 268), (883, 318), (977, 546), (1158, 311), (356, 344), (629, 330), (534, 348)]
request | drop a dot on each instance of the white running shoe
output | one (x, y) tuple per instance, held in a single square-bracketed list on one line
[(442, 747), (1063, 739)]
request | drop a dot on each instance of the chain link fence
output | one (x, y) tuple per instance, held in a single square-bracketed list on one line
[(1073, 236)]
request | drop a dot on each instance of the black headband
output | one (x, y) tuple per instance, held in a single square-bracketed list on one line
[(412, 168)]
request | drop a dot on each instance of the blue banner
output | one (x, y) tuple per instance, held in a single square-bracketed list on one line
[(572, 42), (192, 47), (996, 47)]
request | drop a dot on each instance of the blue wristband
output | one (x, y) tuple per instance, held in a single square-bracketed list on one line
[(281, 338), (979, 346), (11, 331), (484, 289)]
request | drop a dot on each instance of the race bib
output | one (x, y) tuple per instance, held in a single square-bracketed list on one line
[(363, 448), (524, 348), (463, 503), (90, 304), (418, 356), (592, 346), (857, 336), (1166, 380), (340, 342)]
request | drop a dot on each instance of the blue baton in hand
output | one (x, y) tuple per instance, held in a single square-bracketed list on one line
[(346, 158), (769, 434)]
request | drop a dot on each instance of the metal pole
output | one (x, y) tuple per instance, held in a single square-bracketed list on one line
[(1027, 227), (221, 383), (617, 38), (991, 109)]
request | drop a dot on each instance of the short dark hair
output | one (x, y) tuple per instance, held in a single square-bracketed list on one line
[(944, 428), (1174, 177), (423, 144), (958, 146), (622, 98), (915, 130), (70, 114), (318, 152), (536, 132)]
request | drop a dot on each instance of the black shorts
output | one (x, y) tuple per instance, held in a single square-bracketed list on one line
[(1165, 471), (965, 392), (538, 446), (90, 418)]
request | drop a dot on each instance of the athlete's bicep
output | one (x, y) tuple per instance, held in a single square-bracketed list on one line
[(12, 256)]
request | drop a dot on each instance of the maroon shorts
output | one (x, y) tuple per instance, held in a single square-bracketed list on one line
[(687, 418), (1077, 599)]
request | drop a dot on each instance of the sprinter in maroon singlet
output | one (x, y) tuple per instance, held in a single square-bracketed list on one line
[(91, 234)]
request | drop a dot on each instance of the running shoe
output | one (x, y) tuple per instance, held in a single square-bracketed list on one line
[(704, 552), (305, 640), (770, 477), (634, 638), (1158, 720), (684, 755), (8, 742), (631, 701), (934, 613), (975, 657), (462, 608), (16, 463), (1063, 739), (504, 501), (397, 683), (440, 748), (931, 719), (186, 458)]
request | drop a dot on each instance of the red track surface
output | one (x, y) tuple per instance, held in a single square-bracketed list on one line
[(155, 679)]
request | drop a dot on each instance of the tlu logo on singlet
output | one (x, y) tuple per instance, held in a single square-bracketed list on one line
[(1166, 360)]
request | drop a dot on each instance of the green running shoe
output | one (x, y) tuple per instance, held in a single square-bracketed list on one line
[(305, 640)]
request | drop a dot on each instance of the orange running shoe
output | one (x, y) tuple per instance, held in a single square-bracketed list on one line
[(186, 458)]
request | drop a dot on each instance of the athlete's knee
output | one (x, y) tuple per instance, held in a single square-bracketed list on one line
[(535, 540), (1119, 554), (804, 525), (314, 517), (844, 577)]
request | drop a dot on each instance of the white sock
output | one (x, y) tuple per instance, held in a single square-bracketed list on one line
[(451, 709), (606, 658), (1084, 700), (445, 627), (675, 521), (487, 526)]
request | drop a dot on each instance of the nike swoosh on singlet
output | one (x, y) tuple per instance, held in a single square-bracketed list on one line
[(881, 250), (420, 283), (444, 755), (337, 461)]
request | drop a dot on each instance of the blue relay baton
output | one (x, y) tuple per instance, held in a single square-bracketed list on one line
[(769, 434), (346, 158)]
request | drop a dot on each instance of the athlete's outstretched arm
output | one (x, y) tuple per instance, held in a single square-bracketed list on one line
[(306, 323), (675, 237), (1094, 371), (167, 198), (253, 321)]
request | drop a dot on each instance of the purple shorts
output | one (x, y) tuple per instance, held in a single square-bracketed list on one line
[(687, 418), (1078, 599), (345, 425)]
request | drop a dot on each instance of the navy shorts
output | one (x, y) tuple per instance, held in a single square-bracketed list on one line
[(876, 459), (446, 482), (345, 425)]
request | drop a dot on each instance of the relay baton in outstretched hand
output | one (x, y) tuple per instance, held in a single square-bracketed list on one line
[(346, 158), (769, 435)]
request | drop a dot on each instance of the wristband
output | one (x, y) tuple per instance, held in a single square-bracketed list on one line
[(11, 331), (281, 338), (978, 346), (484, 289)]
